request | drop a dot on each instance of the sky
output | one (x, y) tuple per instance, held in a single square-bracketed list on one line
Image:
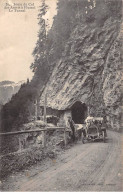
[(18, 35)]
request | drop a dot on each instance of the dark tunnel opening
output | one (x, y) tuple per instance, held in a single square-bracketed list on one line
[(79, 112)]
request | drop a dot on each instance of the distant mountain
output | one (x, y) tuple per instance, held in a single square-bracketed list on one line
[(7, 89), (6, 83)]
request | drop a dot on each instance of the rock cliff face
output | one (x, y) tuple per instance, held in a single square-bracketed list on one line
[(90, 71), (7, 89)]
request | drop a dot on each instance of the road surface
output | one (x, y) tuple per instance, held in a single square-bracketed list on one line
[(83, 167)]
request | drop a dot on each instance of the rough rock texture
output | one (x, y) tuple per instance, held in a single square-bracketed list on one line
[(7, 89), (89, 71)]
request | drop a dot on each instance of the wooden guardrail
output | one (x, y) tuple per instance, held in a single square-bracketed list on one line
[(36, 130), (31, 131)]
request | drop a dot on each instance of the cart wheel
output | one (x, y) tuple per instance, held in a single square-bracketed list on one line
[(103, 136), (83, 141)]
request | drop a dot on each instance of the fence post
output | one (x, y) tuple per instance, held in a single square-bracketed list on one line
[(20, 145), (65, 139), (43, 138)]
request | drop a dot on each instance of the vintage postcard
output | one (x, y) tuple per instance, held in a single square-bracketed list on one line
[(61, 96)]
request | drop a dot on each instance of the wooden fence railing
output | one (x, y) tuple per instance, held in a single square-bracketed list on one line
[(37, 130)]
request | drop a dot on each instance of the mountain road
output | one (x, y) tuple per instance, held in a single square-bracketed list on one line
[(93, 166)]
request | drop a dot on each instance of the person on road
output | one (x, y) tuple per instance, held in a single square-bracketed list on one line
[(72, 126)]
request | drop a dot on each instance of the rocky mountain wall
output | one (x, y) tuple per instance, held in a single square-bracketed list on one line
[(90, 71)]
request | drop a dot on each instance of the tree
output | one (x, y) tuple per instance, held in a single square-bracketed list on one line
[(40, 64)]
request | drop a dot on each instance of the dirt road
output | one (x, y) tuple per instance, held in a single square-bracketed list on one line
[(90, 167)]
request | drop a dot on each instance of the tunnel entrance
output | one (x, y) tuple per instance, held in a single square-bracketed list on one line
[(79, 112)]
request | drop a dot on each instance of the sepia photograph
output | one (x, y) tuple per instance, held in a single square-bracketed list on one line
[(61, 105)]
